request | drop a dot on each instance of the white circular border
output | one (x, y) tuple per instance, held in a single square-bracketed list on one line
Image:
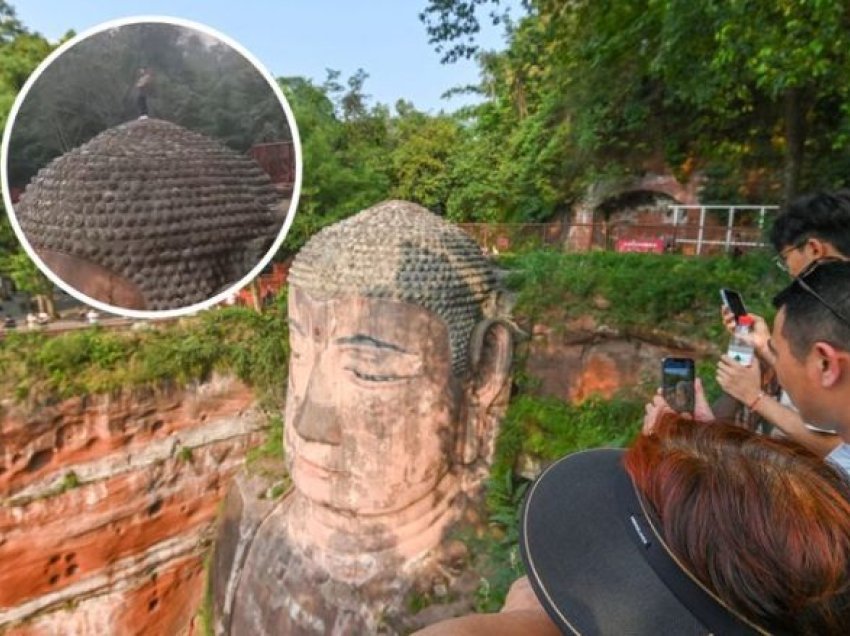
[(165, 313)]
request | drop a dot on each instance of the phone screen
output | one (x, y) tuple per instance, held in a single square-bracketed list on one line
[(733, 301), (677, 383)]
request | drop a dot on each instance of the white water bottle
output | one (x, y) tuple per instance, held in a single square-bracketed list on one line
[(741, 346)]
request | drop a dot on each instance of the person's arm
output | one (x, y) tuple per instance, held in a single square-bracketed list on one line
[(525, 622), (521, 614), (744, 384), (790, 423)]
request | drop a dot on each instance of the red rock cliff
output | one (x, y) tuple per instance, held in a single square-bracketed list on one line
[(107, 503)]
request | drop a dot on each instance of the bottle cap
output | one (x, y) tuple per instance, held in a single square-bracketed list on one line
[(746, 320)]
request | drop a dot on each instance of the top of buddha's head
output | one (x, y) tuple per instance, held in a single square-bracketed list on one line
[(399, 251)]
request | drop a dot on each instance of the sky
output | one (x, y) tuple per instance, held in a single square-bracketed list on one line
[(305, 37)]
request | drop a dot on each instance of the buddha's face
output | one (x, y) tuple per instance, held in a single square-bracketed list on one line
[(372, 408)]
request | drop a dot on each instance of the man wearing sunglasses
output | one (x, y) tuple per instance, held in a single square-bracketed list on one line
[(811, 347), (813, 228)]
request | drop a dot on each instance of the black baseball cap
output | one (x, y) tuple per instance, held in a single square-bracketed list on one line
[(597, 562)]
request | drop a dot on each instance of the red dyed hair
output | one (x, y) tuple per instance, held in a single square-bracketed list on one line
[(761, 522)]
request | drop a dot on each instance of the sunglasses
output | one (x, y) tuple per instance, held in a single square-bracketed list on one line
[(802, 282)]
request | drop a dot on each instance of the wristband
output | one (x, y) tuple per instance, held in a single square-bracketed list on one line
[(752, 404)]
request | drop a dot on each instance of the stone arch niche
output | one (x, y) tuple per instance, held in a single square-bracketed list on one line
[(628, 201)]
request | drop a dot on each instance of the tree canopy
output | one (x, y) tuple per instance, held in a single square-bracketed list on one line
[(197, 82), (752, 93)]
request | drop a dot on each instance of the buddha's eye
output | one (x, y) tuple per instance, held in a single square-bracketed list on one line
[(371, 364), (375, 377)]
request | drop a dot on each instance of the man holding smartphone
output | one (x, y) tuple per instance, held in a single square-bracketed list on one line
[(813, 228), (811, 347)]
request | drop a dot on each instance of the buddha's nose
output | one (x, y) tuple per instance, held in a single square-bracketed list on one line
[(316, 418)]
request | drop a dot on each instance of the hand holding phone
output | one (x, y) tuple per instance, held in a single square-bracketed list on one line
[(733, 302), (677, 383)]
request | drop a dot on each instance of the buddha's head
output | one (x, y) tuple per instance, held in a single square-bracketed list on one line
[(399, 361), (149, 215)]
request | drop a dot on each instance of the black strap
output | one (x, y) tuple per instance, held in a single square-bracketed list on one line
[(644, 528)]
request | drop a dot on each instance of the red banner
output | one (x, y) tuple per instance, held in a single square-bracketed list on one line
[(641, 245)]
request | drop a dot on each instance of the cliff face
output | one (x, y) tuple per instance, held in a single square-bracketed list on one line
[(107, 502), (107, 505), (582, 358)]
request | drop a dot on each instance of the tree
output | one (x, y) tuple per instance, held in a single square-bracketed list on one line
[(346, 149), (28, 278), (20, 53), (741, 87), (424, 147)]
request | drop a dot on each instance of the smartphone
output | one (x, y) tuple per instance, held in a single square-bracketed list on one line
[(677, 383), (733, 302)]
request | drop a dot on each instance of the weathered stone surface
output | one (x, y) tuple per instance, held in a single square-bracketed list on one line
[(400, 251), (584, 359), (108, 504), (399, 376), (150, 215)]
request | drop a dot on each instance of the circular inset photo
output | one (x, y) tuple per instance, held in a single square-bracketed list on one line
[(151, 167)]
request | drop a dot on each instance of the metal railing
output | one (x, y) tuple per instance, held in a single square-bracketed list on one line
[(704, 234), (729, 240)]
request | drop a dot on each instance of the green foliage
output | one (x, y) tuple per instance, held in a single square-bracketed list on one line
[(346, 152), (421, 159), (547, 428), (544, 429), (273, 446), (753, 90), (205, 613), (20, 52), (252, 346), (26, 276), (677, 295), (69, 481)]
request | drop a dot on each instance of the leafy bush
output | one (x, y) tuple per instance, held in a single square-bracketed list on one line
[(252, 346), (544, 429), (675, 294)]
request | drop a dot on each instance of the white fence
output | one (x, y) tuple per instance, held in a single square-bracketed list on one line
[(729, 241)]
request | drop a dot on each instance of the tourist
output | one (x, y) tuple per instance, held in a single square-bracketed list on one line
[(813, 227), (143, 89), (687, 532)]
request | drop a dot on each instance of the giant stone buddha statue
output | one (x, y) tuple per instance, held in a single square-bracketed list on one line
[(399, 374)]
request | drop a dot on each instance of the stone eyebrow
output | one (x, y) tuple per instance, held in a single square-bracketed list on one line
[(363, 339)]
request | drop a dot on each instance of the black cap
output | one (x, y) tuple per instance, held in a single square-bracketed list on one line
[(598, 564)]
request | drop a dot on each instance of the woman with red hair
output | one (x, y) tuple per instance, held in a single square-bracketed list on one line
[(696, 529)]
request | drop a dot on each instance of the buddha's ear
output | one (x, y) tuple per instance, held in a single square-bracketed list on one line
[(490, 352)]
